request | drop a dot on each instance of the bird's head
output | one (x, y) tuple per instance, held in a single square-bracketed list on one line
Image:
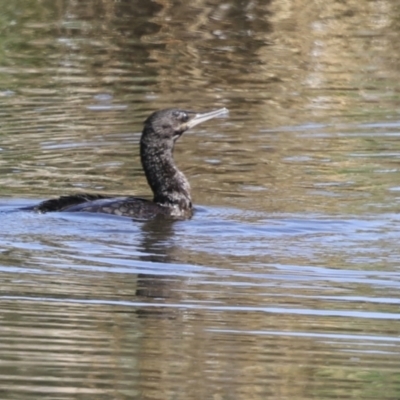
[(169, 124)]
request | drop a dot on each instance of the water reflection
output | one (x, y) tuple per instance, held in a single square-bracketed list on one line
[(158, 246)]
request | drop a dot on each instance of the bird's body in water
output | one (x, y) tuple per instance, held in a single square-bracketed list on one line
[(170, 187)]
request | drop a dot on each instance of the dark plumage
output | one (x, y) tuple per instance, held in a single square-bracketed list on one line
[(170, 187)]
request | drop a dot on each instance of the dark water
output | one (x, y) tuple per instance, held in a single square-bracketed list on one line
[(285, 284)]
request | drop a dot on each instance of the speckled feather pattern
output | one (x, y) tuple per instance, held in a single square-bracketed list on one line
[(170, 187)]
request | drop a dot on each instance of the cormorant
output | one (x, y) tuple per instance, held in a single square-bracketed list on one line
[(170, 187)]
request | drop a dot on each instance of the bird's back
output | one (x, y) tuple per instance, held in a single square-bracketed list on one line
[(133, 207)]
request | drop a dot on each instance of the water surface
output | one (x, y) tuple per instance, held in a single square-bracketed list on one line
[(284, 284)]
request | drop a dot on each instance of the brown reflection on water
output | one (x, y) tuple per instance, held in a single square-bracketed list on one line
[(91, 348), (66, 350), (90, 74)]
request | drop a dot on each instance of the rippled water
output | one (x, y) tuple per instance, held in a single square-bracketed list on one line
[(285, 284)]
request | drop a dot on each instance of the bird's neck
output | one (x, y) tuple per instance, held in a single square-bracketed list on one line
[(169, 185)]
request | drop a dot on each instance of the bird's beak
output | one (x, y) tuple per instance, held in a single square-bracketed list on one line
[(200, 118)]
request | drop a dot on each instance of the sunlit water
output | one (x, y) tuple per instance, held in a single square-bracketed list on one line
[(285, 282)]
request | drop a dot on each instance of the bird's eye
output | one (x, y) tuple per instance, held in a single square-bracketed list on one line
[(181, 115)]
